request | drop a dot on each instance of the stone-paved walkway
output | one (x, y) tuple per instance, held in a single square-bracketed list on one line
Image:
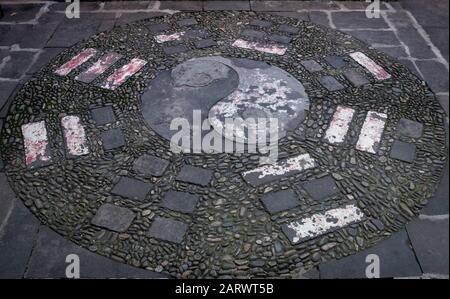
[(414, 32)]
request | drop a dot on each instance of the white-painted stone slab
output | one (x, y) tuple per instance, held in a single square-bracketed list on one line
[(371, 132), (163, 38), (36, 144), (370, 65), (74, 136), (318, 224), (270, 172), (122, 74), (339, 125), (75, 62), (266, 48)]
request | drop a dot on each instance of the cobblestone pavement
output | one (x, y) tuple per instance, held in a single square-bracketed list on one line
[(31, 34)]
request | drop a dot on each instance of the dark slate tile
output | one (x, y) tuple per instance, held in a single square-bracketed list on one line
[(175, 49), (430, 242), (18, 64), (180, 201), (6, 90), (311, 66), (435, 74), (238, 5), (356, 78), (44, 58), (195, 175), (438, 203), (396, 260), (253, 34), (357, 20), (49, 260), (20, 12), (71, 31), (276, 202), (330, 83), (320, 18), (103, 115), (150, 165), (261, 23), (336, 61), (168, 230), (37, 35), (409, 128), (132, 188), (322, 188), (158, 27), (196, 33), (280, 38), (403, 151), (205, 43), (114, 218), (288, 29), (187, 22), (113, 139), (16, 241)]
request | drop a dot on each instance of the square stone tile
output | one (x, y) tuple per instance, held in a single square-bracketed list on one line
[(330, 83), (132, 188), (150, 165), (195, 175), (320, 189), (288, 29), (336, 61), (16, 67), (205, 43), (311, 66), (168, 230), (175, 49), (280, 38), (187, 22), (113, 139), (276, 202), (356, 78), (114, 218), (403, 151), (430, 242), (103, 115), (180, 201), (409, 128), (396, 260)]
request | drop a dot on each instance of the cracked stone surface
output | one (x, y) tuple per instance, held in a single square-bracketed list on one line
[(229, 222)]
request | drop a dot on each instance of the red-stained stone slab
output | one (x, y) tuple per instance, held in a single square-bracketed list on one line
[(266, 48), (75, 62), (98, 68), (370, 65), (36, 144), (122, 74), (74, 136)]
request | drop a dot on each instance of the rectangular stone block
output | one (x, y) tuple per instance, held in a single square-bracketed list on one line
[(132, 188), (282, 39), (311, 66), (103, 115), (114, 218), (403, 151), (75, 62), (195, 175), (339, 125), (205, 43), (112, 139), (276, 202), (320, 189), (187, 22), (355, 78), (150, 165), (123, 74), (98, 68), (370, 65), (409, 128), (182, 202), (168, 230), (330, 83)]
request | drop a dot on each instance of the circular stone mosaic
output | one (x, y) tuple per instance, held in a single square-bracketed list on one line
[(86, 145)]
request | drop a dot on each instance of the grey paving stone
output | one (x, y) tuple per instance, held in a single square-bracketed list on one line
[(124, 5), (320, 189), (114, 218), (182, 5), (394, 52), (330, 83), (374, 37), (356, 78), (103, 115), (438, 203), (175, 49), (288, 29), (6, 90), (20, 12), (44, 58), (37, 35), (439, 38), (132, 188), (276, 202), (180, 201), (18, 64), (16, 241), (291, 5), (49, 260), (430, 242), (7, 197), (226, 5), (187, 22), (444, 101), (106, 25), (71, 31), (311, 65), (435, 74), (280, 38), (261, 23), (195, 175), (159, 27), (150, 165), (403, 151), (409, 128), (168, 230), (113, 139), (396, 260), (253, 34), (196, 33), (357, 20), (336, 61), (319, 17), (205, 43)]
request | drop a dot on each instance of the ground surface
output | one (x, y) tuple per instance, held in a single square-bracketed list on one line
[(264, 249)]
